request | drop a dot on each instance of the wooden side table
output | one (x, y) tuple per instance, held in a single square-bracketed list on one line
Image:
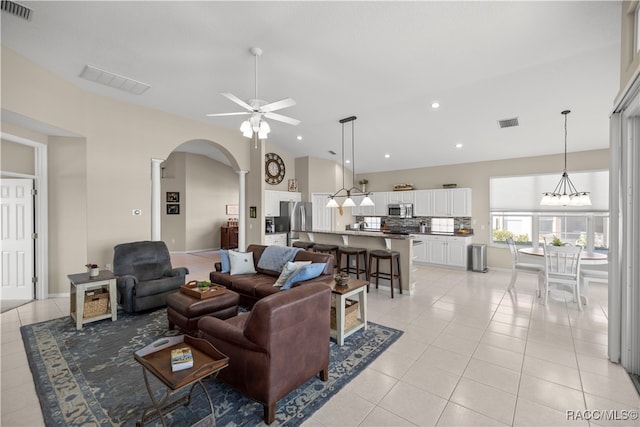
[(353, 287), (156, 358), (80, 284)]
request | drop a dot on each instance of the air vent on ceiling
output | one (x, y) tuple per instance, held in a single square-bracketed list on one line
[(113, 80), (507, 123), (16, 9)]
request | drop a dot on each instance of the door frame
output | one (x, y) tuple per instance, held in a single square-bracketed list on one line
[(41, 214)]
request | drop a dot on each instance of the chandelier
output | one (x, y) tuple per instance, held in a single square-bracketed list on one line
[(345, 193), (565, 193)]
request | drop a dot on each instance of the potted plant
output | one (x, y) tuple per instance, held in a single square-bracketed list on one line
[(93, 269), (557, 242), (363, 182), (203, 286)]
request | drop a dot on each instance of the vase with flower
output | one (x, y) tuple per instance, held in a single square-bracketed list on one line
[(93, 269)]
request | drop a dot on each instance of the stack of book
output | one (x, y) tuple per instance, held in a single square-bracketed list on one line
[(181, 358)]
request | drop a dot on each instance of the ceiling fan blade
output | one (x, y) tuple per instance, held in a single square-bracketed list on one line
[(239, 113), (281, 118), (278, 105), (237, 100)]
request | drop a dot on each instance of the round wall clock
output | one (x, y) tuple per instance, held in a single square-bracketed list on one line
[(273, 169)]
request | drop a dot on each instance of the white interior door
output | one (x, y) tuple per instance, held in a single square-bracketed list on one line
[(322, 215), (17, 252)]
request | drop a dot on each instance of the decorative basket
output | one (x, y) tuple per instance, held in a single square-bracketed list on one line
[(350, 314), (96, 302)]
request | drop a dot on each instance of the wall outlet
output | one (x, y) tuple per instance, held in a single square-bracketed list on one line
[(136, 212)]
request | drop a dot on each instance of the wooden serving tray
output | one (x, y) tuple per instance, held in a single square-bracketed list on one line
[(192, 289)]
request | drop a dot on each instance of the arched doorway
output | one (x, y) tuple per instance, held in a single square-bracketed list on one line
[(197, 188)]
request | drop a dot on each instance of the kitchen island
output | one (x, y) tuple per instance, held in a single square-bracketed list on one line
[(370, 240)]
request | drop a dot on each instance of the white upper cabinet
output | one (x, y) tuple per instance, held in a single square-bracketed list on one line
[(273, 198), (423, 205), (455, 202), (381, 200), (401, 197)]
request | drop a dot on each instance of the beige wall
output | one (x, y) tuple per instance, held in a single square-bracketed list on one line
[(67, 182), (121, 139), (206, 187), (476, 176), (17, 158), (210, 187), (174, 227)]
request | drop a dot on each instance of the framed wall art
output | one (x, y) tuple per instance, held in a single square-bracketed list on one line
[(173, 209), (173, 197), (293, 185), (233, 209), (253, 212)]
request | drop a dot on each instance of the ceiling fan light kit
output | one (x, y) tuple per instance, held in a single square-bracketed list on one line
[(353, 191), (565, 193), (258, 109)]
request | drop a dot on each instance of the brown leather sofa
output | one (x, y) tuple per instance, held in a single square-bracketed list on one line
[(277, 347), (253, 287)]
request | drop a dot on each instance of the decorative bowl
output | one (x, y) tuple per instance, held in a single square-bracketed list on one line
[(341, 279)]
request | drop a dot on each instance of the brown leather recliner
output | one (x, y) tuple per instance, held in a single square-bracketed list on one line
[(278, 346)]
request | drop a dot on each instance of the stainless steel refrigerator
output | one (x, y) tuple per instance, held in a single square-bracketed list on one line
[(294, 217)]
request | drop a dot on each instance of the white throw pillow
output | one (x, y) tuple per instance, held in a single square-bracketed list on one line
[(288, 270), (241, 263)]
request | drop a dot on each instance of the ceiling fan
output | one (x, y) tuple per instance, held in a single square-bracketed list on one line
[(258, 109)]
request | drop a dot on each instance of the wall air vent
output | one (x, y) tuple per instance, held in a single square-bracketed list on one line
[(113, 80), (507, 123), (16, 9)]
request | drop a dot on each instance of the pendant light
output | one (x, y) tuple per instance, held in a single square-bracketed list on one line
[(353, 191), (565, 193)]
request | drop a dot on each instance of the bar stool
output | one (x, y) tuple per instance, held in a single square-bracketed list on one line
[(380, 254), (328, 249), (307, 246), (350, 251)]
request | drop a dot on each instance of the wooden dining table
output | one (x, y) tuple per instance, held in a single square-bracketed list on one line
[(586, 258)]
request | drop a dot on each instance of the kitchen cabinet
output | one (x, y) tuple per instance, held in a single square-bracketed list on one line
[(401, 197), (381, 200), (277, 239), (273, 198), (420, 250), (450, 251), (423, 205), (455, 202)]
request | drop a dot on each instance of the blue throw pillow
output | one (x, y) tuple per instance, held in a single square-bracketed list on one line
[(305, 272), (224, 261)]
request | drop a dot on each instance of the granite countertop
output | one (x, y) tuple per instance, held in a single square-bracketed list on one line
[(275, 232), (364, 234), (455, 234)]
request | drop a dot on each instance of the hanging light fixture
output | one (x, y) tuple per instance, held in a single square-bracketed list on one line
[(353, 191), (565, 193)]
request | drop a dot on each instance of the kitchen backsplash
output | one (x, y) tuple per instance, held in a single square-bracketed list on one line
[(414, 223)]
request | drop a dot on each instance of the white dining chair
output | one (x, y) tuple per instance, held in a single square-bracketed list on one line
[(523, 267), (562, 267)]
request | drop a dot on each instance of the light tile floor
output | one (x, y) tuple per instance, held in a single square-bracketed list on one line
[(471, 355)]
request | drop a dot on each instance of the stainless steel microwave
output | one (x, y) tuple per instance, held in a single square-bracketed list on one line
[(400, 210)]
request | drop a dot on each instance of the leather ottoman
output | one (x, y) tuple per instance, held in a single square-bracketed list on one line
[(184, 311)]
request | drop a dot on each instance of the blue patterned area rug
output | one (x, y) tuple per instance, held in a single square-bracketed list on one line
[(90, 377)]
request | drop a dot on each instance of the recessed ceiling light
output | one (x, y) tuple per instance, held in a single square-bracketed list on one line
[(458, 145), (435, 105), (386, 156), (299, 137)]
